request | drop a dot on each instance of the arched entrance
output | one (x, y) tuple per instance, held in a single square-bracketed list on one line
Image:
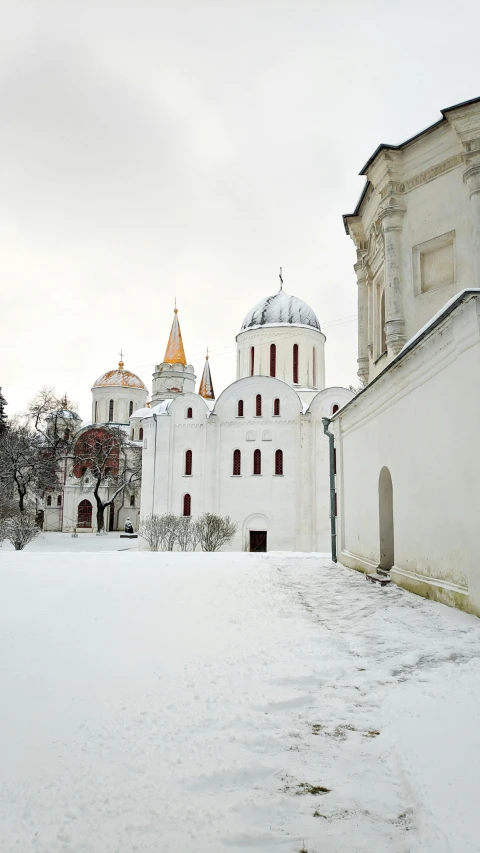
[(385, 510), (84, 517)]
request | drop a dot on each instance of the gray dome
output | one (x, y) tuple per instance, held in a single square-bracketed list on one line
[(280, 309)]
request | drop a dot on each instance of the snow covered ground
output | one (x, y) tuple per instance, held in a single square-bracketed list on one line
[(214, 702)]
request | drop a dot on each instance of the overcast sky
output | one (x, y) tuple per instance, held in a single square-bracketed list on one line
[(158, 149)]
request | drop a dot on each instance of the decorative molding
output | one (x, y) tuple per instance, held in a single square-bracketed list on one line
[(433, 172)]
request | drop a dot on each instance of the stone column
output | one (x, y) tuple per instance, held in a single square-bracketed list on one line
[(391, 218), (472, 180), (362, 360)]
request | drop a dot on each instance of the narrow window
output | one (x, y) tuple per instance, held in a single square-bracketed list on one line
[(59, 500), (132, 500), (188, 462), (110, 410), (130, 408), (257, 462), (187, 505), (273, 360), (49, 500), (252, 360), (96, 411), (279, 462), (66, 434), (295, 364), (189, 412), (383, 337), (258, 405), (314, 367), (240, 409), (237, 462), (276, 407), (335, 408), (140, 434)]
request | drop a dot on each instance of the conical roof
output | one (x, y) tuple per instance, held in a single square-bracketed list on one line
[(175, 354), (206, 385)]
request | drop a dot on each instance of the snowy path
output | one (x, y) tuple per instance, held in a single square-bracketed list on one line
[(187, 703)]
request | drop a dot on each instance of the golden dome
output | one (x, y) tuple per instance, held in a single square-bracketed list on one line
[(120, 378)]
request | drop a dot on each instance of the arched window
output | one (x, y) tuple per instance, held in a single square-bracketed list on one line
[(110, 410), (279, 462), (66, 434), (314, 367), (257, 462), (187, 505), (240, 409), (49, 500), (276, 407), (132, 500), (335, 408), (96, 411), (258, 405), (188, 462), (273, 360), (237, 462), (189, 412), (59, 500), (140, 434), (130, 408), (295, 364), (252, 360), (84, 518)]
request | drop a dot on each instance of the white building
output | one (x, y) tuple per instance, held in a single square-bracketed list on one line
[(259, 452), (408, 478), (116, 394)]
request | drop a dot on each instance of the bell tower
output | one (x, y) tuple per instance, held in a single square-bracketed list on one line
[(173, 376)]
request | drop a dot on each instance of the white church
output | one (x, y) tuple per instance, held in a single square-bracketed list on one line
[(258, 453)]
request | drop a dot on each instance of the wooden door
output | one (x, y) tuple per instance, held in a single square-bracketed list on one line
[(258, 540)]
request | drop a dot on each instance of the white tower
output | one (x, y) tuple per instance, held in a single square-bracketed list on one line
[(116, 394), (281, 337), (174, 376)]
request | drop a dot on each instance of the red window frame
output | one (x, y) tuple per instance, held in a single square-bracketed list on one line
[(295, 364), (273, 360), (237, 463), (279, 463), (189, 412), (276, 407), (240, 409), (252, 360), (257, 462), (258, 406), (187, 505), (188, 462)]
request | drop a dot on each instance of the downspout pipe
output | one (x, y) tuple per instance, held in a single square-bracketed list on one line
[(154, 463), (333, 526)]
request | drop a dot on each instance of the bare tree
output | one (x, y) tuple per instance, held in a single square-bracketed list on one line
[(171, 522), (195, 534), (20, 529), (184, 532), (55, 418), (152, 529), (26, 465), (215, 531), (106, 455)]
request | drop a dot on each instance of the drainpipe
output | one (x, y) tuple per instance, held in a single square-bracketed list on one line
[(154, 463), (333, 526)]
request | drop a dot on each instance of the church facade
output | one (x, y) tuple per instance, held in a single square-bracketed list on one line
[(258, 453), (408, 467)]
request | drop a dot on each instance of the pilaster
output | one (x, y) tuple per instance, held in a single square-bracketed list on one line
[(391, 218)]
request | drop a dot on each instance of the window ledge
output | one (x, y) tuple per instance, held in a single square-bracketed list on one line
[(187, 475)]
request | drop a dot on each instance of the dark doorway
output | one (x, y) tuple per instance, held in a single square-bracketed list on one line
[(84, 514), (112, 517), (385, 506), (258, 540)]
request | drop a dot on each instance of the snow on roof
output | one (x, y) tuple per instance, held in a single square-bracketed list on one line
[(436, 317), (120, 378), (281, 309), (159, 409)]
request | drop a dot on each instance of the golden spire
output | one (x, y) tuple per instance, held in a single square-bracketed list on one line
[(206, 385), (175, 354)]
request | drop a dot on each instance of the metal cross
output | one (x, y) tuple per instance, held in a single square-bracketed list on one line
[(281, 279)]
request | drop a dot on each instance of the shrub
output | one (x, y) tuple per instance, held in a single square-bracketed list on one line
[(215, 530)]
